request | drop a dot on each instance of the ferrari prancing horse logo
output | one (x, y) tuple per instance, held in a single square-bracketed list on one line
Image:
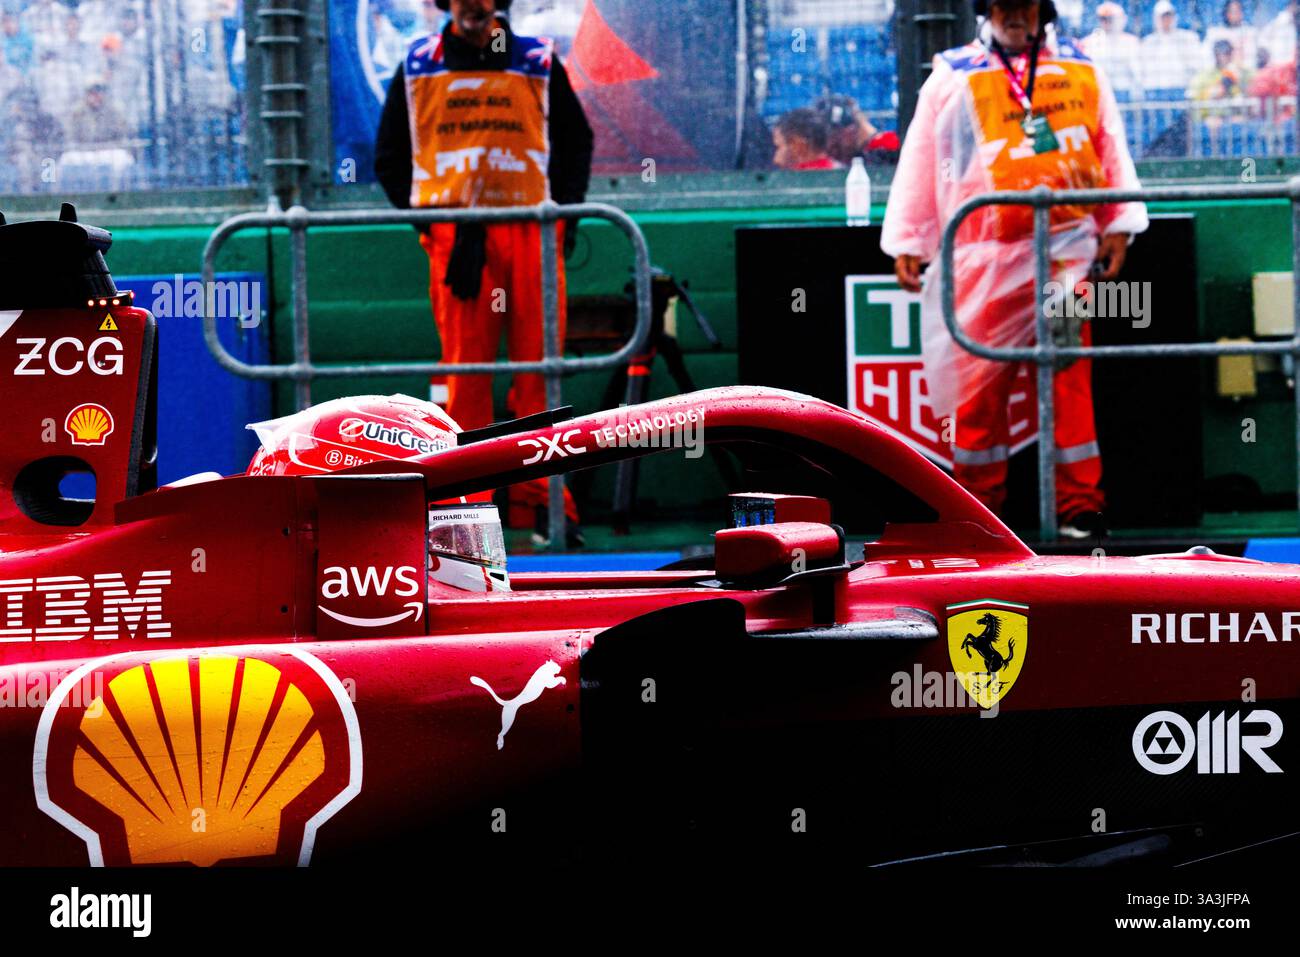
[(987, 641)]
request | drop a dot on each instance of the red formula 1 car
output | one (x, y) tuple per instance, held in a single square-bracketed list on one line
[(260, 669)]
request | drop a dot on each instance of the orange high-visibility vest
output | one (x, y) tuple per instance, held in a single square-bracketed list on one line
[(479, 137), (1066, 93)]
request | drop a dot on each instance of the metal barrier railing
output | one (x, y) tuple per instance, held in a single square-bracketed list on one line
[(1045, 352), (1181, 128), (553, 365)]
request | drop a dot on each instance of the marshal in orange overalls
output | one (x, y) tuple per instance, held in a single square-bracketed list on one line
[(470, 329), (479, 138)]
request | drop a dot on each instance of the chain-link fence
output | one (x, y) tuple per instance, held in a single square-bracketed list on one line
[(111, 95)]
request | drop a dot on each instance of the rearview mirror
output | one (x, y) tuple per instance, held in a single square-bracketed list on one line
[(764, 555)]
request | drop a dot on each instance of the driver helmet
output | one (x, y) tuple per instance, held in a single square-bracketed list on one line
[(466, 544)]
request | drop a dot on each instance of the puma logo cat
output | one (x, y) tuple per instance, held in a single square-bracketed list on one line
[(547, 676)]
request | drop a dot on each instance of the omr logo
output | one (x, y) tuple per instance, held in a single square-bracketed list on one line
[(1164, 742)]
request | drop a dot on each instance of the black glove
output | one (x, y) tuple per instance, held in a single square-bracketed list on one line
[(466, 262), (570, 237)]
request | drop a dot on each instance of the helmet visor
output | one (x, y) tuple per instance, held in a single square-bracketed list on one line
[(469, 533)]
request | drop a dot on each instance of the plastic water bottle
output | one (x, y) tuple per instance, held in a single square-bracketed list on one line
[(857, 194)]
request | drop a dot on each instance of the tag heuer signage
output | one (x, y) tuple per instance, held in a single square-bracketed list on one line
[(887, 377)]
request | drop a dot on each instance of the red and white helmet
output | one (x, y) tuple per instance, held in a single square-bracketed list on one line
[(466, 544), (352, 431)]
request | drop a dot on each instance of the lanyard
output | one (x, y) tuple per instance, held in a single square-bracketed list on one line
[(1023, 92)]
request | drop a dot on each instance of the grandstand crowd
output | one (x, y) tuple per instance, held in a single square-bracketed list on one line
[(120, 94), (111, 94), (1195, 79), (1178, 50)]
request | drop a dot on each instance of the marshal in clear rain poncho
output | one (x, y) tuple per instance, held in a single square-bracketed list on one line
[(965, 139)]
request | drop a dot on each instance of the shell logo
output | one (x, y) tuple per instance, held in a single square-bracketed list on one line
[(89, 424), (197, 758)]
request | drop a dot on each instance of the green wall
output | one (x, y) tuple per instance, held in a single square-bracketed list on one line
[(369, 300), (1235, 240)]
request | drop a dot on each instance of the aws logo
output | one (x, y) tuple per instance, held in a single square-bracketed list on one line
[(197, 758), (370, 582)]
